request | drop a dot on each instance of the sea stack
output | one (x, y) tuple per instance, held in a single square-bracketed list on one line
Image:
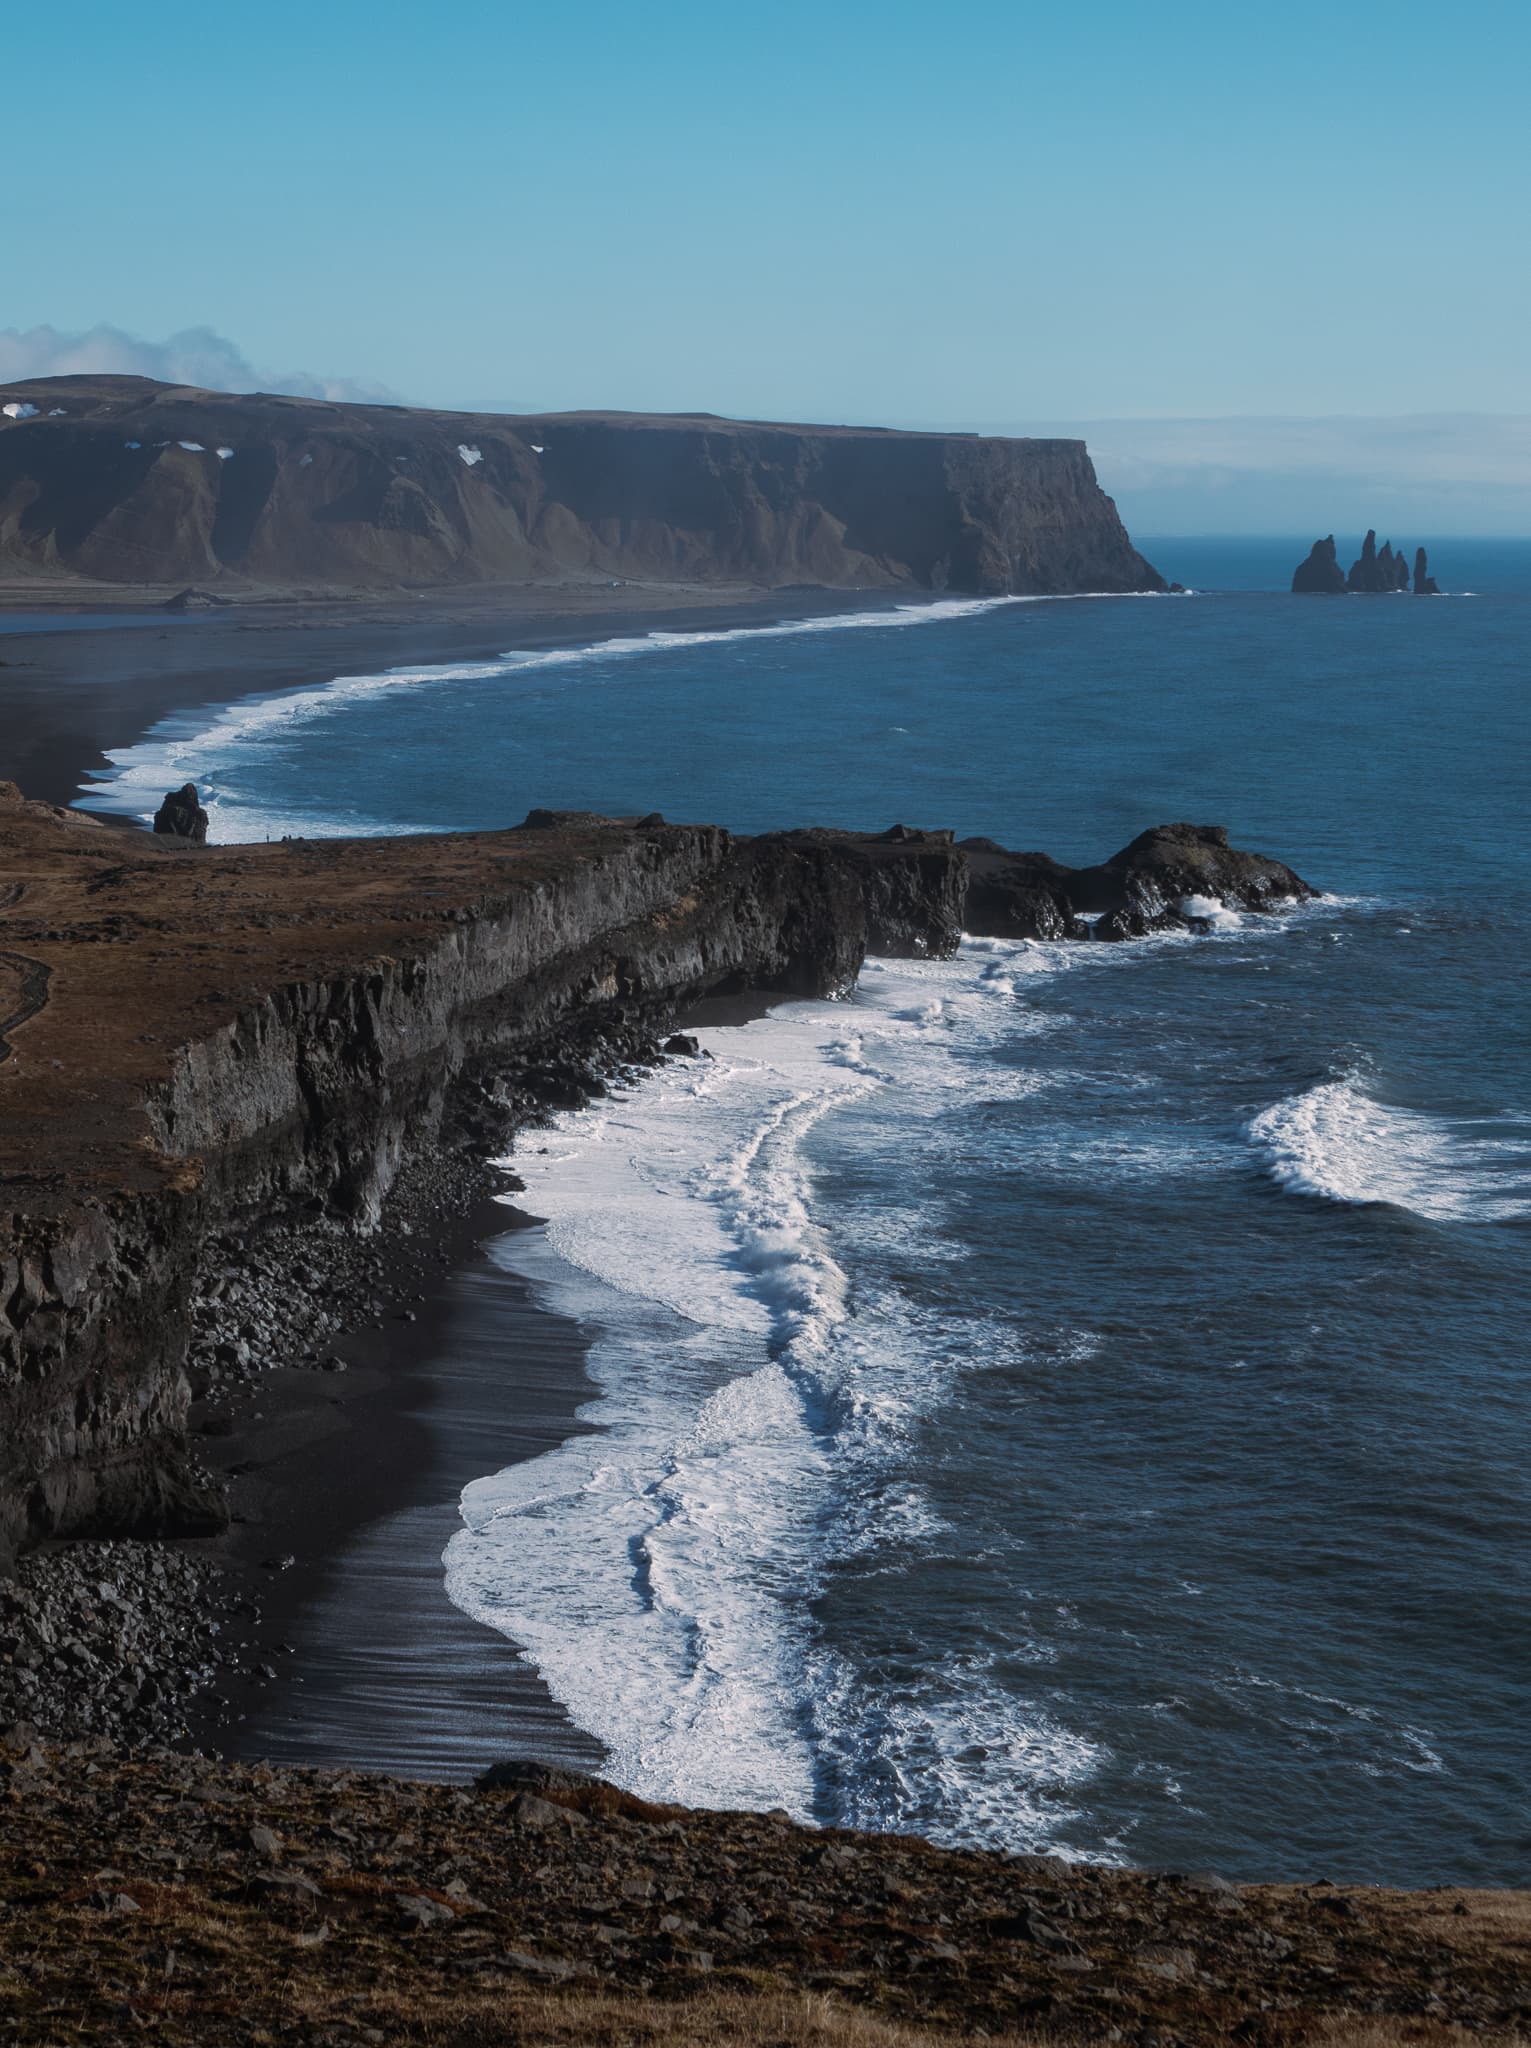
[(1321, 572), (1376, 572)]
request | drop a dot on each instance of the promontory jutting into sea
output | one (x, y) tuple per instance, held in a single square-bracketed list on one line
[(594, 1228)]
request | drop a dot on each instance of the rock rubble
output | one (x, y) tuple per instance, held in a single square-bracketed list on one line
[(309, 1906)]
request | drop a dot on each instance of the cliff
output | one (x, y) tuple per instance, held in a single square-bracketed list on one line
[(191, 1039), (122, 480)]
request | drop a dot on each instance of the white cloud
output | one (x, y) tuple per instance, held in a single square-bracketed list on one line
[(195, 356)]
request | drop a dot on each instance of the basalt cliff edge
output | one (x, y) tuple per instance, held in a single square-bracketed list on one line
[(123, 481), (195, 1039)]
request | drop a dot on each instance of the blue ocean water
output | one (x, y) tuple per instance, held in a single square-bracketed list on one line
[(1064, 1396)]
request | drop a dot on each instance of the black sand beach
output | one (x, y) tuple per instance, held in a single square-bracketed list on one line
[(346, 1489)]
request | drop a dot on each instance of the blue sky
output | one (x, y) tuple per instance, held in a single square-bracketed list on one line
[(978, 216)]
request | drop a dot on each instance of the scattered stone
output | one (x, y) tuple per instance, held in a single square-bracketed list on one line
[(424, 1912)]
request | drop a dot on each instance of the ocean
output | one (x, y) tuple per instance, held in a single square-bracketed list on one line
[(1063, 1397)]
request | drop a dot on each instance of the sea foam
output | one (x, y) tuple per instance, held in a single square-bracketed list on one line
[(755, 1429), (1340, 1143)]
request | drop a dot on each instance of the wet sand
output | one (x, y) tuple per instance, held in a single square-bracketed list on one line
[(375, 1668)]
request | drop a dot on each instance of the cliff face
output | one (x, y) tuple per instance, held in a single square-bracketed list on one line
[(194, 1039), (123, 480)]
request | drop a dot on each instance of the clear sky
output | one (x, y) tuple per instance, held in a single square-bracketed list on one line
[(972, 215)]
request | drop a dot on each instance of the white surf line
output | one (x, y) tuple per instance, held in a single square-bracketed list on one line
[(177, 749)]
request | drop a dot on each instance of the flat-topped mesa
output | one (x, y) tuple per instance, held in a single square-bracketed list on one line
[(208, 494), (1172, 878), (1376, 572)]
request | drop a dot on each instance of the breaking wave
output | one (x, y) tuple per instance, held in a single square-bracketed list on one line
[(754, 1433), (1339, 1143)]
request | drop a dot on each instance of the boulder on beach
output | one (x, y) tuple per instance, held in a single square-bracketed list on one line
[(181, 815)]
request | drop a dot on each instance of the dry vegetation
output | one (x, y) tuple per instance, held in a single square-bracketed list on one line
[(215, 1906)]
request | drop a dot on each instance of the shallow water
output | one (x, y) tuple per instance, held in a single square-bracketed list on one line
[(1057, 1397)]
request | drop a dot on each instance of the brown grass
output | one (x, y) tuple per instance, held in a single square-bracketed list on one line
[(514, 2018)]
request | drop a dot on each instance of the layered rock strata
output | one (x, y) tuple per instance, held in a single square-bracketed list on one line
[(122, 480)]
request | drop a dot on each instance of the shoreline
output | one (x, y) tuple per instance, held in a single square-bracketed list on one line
[(359, 1480), (71, 689), (352, 1483)]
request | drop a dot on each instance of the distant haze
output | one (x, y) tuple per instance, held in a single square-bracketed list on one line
[(1417, 477)]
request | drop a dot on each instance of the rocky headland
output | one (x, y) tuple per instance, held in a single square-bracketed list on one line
[(205, 495), (201, 1048), (1374, 573), (1171, 878)]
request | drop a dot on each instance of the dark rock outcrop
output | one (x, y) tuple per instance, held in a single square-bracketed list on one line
[(1321, 572), (181, 815), (1374, 573), (1377, 574), (1145, 888), (1019, 895), (121, 479)]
